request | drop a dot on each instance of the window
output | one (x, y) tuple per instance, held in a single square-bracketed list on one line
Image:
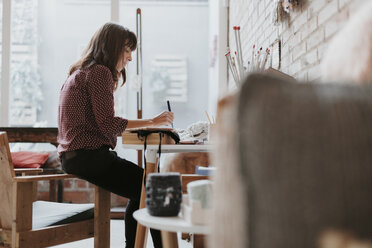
[(3, 87), (25, 82), (1, 41), (47, 37), (175, 59)]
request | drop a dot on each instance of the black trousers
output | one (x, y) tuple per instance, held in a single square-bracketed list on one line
[(104, 168)]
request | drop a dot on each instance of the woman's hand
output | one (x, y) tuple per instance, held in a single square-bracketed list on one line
[(164, 119)]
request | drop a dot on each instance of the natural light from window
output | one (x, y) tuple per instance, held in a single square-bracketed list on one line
[(48, 36)]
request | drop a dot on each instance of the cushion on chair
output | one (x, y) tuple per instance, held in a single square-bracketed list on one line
[(28, 159), (303, 163), (52, 213)]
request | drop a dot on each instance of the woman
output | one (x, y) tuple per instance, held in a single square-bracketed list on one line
[(88, 127)]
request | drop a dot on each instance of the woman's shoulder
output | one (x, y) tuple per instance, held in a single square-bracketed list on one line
[(98, 69), (76, 77), (96, 74)]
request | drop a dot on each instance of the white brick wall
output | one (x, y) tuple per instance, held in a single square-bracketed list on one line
[(304, 36)]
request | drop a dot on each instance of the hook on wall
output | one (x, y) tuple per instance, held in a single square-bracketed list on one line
[(289, 5), (282, 8)]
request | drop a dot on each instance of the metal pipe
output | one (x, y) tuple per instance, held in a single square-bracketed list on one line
[(139, 73), (139, 61)]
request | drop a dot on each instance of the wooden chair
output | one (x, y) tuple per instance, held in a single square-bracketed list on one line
[(37, 135), (188, 178), (17, 217)]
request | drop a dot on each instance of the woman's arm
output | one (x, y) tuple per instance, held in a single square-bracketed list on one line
[(163, 119), (139, 123)]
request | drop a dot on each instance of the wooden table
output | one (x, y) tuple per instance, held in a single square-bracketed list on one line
[(169, 226), (151, 167)]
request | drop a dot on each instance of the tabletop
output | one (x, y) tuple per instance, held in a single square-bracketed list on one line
[(172, 148), (171, 224)]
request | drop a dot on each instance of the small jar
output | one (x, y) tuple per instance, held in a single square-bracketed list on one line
[(164, 194)]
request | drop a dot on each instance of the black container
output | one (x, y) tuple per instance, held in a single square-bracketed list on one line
[(163, 194)]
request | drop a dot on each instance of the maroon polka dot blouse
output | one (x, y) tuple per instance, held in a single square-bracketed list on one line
[(86, 117)]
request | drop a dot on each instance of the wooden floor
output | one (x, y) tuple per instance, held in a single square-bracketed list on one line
[(117, 239)]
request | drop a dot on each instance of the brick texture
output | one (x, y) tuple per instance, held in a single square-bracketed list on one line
[(77, 191), (304, 35)]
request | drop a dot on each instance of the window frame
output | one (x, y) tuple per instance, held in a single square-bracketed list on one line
[(5, 55)]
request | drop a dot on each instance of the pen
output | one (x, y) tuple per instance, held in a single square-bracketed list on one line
[(169, 109)]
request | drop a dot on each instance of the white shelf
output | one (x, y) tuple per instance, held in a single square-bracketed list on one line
[(171, 224)]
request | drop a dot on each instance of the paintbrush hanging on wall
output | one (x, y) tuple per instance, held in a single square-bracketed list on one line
[(278, 14)]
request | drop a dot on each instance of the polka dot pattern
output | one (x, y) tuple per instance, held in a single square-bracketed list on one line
[(86, 117)]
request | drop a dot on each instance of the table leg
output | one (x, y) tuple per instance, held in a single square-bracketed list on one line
[(198, 241), (102, 204), (169, 239), (52, 190), (151, 166), (141, 234)]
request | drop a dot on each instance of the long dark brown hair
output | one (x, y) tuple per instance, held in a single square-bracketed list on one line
[(106, 48)]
